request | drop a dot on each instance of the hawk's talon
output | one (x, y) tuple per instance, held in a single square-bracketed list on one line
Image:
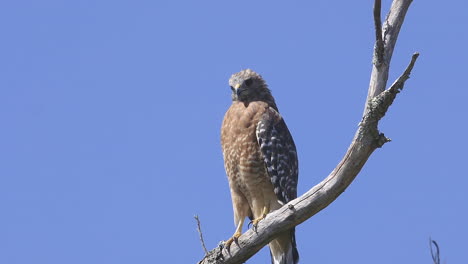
[(234, 238), (255, 222)]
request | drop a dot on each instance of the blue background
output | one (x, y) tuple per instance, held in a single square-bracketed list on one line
[(110, 114)]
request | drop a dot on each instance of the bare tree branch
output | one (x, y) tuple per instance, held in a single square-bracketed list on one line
[(200, 234), (381, 102), (366, 140), (391, 29), (379, 45), (435, 255)]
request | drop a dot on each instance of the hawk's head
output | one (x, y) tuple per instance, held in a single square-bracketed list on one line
[(248, 86)]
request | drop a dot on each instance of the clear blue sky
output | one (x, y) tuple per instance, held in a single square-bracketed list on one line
[(110, 114)]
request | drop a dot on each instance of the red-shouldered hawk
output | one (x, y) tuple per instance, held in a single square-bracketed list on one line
[(260, 160)]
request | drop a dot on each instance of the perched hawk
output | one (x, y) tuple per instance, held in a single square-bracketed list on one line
[(260, 160)]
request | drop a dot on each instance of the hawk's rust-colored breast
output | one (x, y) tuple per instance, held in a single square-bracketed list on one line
[(243, 160)]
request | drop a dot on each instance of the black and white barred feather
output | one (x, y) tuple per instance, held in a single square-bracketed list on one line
[(279, 153)]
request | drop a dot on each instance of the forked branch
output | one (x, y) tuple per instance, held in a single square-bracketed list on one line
[(366, 140)]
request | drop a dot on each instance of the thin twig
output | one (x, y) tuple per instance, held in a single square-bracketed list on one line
[(398, 84), (201, 234), (435, 255), (379, 45)]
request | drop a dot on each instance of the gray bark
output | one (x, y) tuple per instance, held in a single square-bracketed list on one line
[(366, 140)]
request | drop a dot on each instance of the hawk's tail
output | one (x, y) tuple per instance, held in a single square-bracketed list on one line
[(283, 249)]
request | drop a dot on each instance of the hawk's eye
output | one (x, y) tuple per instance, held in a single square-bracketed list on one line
[(248, 82)]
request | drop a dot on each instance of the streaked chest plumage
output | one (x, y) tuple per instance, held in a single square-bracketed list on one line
[(243, 159)]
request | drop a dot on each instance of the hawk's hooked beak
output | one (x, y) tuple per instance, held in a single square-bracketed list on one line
[(238, 91)]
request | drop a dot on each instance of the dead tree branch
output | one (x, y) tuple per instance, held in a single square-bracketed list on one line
[(434, 254), (379, 45), (202, 241), (389, 35), (366, 140)]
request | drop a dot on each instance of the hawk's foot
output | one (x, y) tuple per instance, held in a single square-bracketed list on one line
[(227, 244), (254, 222)]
